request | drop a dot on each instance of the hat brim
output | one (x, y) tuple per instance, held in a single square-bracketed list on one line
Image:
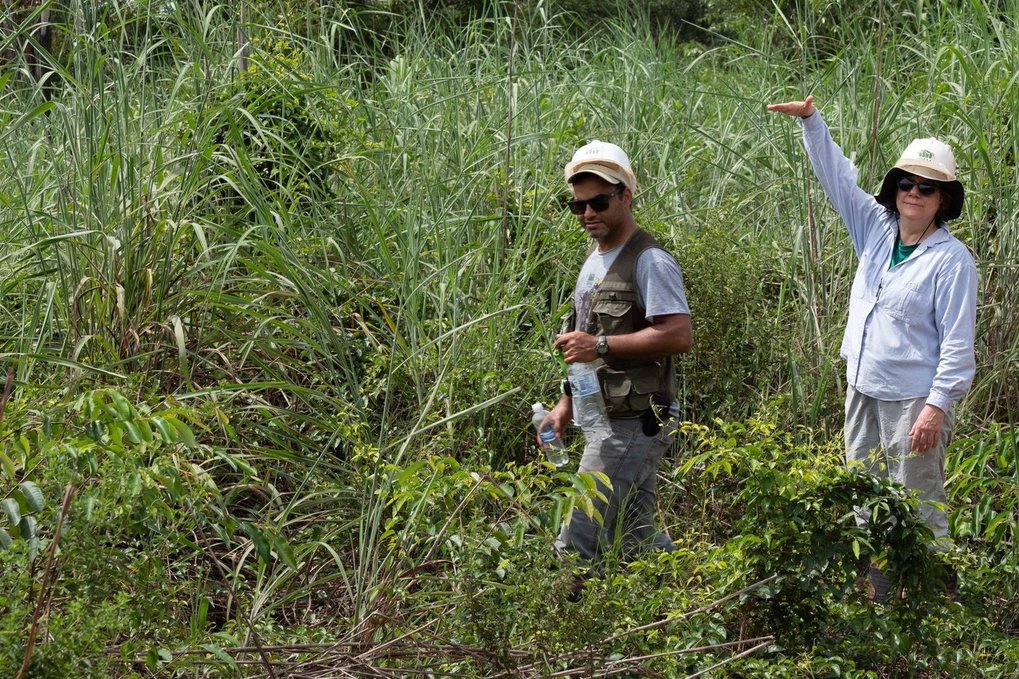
[(889, 188)]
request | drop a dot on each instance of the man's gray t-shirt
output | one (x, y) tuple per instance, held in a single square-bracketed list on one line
[(657, 277)]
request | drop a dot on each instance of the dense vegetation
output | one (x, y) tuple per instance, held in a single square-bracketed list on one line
[(280, 280)]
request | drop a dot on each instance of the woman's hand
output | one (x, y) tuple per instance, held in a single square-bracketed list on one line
[(800, 109), (926, 431)]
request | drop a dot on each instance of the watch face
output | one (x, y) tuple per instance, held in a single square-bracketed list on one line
[(603, 346)]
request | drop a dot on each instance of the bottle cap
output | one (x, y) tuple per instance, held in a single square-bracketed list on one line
[(537, 407)]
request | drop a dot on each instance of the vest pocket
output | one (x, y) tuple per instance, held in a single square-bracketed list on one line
[(631, 392), (611, 310)]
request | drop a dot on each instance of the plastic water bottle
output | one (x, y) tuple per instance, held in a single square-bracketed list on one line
[(553, 446), (588, 402)]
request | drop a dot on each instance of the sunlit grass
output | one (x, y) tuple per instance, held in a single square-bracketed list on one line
[(383, 283)]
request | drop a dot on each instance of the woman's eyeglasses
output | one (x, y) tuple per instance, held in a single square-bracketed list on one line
[(598, 203), (906, 185)]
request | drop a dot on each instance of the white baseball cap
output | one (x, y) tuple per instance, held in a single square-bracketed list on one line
[(605, 160)]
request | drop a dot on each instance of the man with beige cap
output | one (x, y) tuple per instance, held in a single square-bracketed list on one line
[(630, 317), (910, 335)]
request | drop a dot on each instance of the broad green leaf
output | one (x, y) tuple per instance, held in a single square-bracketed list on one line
[(12, 509), (33, 496), (23, 446), (166, 431), (261, 545), (133, 432), (146, 430), (5, 539), (184, 434), (27, 527), (283, 550), (221, 655), (116, 434), (123, 406), (7, 466)]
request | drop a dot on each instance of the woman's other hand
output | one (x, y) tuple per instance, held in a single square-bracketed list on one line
[(926, 431), (800, 109)]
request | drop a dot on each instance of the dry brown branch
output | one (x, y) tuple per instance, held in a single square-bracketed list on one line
[(583, 652), (65, 507), (744, 654), (8, 389)]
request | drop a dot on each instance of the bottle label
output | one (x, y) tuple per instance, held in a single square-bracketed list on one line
[(584, 384), (547, 436)]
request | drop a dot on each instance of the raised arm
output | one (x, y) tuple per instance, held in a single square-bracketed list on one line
[(860, 213)]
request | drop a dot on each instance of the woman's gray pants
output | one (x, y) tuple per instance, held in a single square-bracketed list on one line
[(877, 437)]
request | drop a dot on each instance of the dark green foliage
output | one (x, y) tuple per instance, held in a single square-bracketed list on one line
[(324, 279), (983, 490), (787, 510), (737, 322), (282, 123)]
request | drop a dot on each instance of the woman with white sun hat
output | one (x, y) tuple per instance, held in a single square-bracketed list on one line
[(909, 340)]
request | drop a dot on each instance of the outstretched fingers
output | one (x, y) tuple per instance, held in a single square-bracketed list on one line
[(799, 109)]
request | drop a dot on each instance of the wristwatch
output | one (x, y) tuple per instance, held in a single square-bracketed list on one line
[(602, 347)]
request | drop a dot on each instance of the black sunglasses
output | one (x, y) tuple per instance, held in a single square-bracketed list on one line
[(906, 185), (598, 203)]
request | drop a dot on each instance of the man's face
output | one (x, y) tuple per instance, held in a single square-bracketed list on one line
[(601, 225)]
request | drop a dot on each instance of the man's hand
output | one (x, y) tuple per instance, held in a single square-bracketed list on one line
[(577, 347), (666, 336), (560, 416), (926, 431), (800, 109)]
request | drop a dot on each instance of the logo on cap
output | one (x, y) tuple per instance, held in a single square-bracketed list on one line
[(926, 155)]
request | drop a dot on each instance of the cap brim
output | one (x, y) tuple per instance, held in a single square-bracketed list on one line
[(607, 176), (609, 172)]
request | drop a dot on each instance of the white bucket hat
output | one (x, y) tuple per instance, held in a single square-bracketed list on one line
[(931, 159), (604, 159)]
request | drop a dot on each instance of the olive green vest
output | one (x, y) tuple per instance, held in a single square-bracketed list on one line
[(629, 385)]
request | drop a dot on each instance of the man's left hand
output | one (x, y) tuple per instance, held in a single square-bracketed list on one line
[(577, 347), (926, 431)]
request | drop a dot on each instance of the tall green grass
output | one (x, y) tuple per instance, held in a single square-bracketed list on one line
[(351, 247)]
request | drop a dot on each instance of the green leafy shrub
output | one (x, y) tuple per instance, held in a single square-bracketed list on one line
[(738, 329), (784, 509), (124, 484), (280, 127), (983, 495)]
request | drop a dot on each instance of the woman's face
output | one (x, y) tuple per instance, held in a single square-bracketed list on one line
[(918, 199)]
